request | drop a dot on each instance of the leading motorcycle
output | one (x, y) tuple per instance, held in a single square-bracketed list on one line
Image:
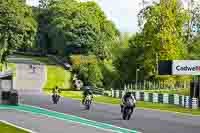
[(55, 98), (128, 109)]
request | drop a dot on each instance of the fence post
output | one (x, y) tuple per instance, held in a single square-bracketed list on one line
[(159, 84), (144, 85), (183, 100), (137, 95), (112, 92), (160, 98)]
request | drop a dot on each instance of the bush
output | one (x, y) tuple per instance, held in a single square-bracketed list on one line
[(83, 59)]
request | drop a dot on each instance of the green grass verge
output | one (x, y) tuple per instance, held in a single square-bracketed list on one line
[(110, 100), (11, 66), (57, 76), (185, 92), (5, 128)]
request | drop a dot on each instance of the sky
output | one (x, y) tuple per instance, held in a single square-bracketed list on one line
[(122, 12)]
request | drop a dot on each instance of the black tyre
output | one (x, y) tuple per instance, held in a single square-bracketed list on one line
[(88, 107), (128, 116), (124, 115), (87, 104)]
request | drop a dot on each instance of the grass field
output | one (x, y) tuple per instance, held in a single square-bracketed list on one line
[(57, 76), (5, 128)]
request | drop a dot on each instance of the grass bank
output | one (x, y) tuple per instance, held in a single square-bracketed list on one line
[(5, 128), (57, 76)]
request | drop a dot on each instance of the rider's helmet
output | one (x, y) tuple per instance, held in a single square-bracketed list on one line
[(90, 92), (128, 94)]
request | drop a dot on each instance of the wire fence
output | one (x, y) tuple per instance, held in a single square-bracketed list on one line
[(153, 85)]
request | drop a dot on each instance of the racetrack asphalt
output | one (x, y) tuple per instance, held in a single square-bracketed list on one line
[(145, 121), (43, 124)]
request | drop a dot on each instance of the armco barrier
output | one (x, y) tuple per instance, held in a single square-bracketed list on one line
[(155, 97), (195, 103), (166, 98), (160, 98), (142, 96), (146, 97), (137, 95), (150, 97), (187, 101), (175, 99), (171, 99)]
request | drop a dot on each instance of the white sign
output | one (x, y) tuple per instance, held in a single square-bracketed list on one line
[(186, 67)]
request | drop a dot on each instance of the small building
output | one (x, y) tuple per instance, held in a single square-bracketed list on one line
[(6, 81), (8, 94)]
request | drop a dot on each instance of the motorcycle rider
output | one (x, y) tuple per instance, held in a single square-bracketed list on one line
[(56, 90), (124, 100), (86, 92)]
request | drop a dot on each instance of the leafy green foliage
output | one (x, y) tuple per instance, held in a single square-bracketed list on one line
[(17, 27), (194, 51), (162, 32), (77, 27), (57, 76), (90, 74)]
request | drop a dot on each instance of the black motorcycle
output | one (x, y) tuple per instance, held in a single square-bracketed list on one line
[(55, 98), (128, 110), (88, 101)]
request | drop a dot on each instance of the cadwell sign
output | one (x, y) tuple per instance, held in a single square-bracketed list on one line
[(186, 67)]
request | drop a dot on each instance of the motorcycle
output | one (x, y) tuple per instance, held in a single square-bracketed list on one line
[(88, 101), (55, 98), (127, 110)]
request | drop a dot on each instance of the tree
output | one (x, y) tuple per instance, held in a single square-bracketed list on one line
[(193, 49), (44, 3), (162, 29), (17, 27), (72, 25), (90, 74)]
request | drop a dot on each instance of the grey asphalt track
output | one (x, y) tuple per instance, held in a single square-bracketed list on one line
[(146, 121), (44, 124)]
